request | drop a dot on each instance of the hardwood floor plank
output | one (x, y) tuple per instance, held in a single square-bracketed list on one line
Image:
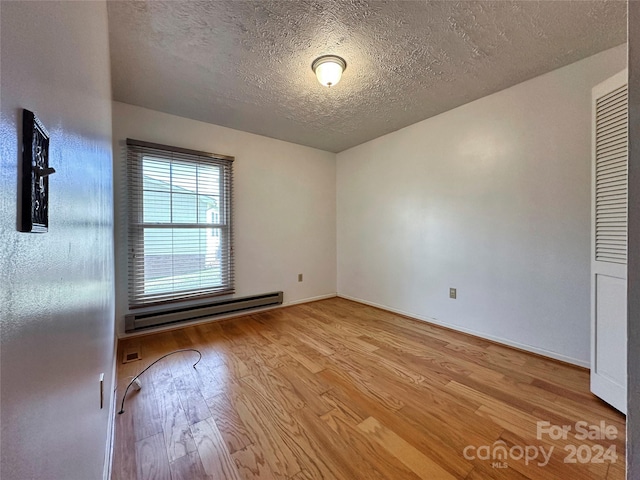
[(432, 440), (206, 339), (521, 430), (275, 388), (293, 439), (344, 336), (344, 460), (336, 390), (438, 362), (265, 434), (616, 470), (191, 399), (556, 466), (320, 347), (351, 375), (418, 462), (151, 459), (386, 465), (568, 401), (212, 381), (431, 373), (447, 439), (288, 343), (216, 459), (486, 472), (496, 358), (482, 389), (143, 406), (311, 456), (175, 364), (124, 452), (189, 467), (305, 387), (218, 349), (177, 436), (303, 475), (499, 411), (354, 412), (252, 465), (229, 422), (179, 442)]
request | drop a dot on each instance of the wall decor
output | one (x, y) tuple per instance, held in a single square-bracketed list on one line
[(35, 175)]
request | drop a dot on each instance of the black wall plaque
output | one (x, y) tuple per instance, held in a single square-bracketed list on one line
[(35, 175)]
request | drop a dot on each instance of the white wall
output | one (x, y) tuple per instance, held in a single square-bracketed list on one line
[(284, 204), (492, 198), (56, 288)]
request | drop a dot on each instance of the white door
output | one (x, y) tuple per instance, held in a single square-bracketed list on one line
[(609, 242)]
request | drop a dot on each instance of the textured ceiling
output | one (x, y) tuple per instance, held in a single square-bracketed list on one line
[(247, 64)]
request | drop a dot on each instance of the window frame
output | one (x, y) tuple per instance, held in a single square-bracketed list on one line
[(136, 226)]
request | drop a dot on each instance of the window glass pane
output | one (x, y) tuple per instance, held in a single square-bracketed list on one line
[(209, 180), (183, 177), (157, 249), (213, 251), (156, 173), (211, 273), (181, 259), (157, 207), (208, 212), (184, 208)]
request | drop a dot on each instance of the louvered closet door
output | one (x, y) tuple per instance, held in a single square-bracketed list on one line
[(609, 242)]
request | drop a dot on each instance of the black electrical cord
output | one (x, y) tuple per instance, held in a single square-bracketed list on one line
[(164, 356)]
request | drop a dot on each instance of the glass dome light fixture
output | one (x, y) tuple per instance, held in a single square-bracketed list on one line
[(328, 69)]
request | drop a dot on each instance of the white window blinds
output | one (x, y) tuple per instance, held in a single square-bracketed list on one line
[(180, 234), (611, 151)]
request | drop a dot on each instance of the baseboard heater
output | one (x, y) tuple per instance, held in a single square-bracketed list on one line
[(147, 319)]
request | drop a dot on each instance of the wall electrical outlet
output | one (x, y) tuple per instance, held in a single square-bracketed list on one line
[(453, 293), (299, 277)]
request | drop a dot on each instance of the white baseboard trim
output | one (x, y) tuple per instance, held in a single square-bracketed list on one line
[(493, 338), (310, 299), (180, 325)]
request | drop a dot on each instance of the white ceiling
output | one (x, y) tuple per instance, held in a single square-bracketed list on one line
[(247, 64)]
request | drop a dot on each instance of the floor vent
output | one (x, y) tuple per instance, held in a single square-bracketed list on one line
[(131, 354), (164, 316)]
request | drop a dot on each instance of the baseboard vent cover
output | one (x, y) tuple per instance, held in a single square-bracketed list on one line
[(164, 316)]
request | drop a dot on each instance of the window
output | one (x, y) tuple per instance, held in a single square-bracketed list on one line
[(179, 229)]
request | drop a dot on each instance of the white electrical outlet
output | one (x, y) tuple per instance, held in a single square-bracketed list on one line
[(453, 293)]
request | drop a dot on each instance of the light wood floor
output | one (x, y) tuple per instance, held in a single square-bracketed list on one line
[(339, 390)]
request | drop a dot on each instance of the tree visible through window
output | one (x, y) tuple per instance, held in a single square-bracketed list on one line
[(179, 224)]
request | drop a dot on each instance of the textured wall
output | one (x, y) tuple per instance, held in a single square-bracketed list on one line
[(284, 204), (492, 198), (633, 300), (56, 289)]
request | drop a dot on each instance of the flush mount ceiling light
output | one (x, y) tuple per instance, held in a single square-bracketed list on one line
[(328, 69)]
